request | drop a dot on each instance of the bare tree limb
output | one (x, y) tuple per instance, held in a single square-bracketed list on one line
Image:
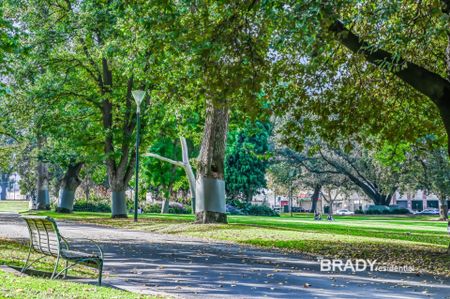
[(159, 157)]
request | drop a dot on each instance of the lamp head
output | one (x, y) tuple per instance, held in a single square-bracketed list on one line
[(138, 96)]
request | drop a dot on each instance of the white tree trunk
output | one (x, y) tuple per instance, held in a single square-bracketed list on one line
[(185, 164), (189, 172)]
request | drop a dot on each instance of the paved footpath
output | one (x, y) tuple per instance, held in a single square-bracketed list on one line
[(192, 268)]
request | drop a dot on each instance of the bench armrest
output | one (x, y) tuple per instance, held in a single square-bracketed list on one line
[(98, 248), (65, 242)]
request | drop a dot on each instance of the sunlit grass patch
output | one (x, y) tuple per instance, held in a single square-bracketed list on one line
[(15, 206), (14, 254), (13, 286)]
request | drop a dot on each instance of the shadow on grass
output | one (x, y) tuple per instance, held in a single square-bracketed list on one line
[(423, 236), (14, 254), (431, 259), (176, 223)]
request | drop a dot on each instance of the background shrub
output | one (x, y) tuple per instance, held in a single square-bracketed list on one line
[(151, 208), (400, 211), (389, 210), (93, 205), (244, 208), (232, 210), (178, 208), (256, 210), (174, 208)]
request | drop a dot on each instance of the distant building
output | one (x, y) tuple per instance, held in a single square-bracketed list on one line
[(13, 188), (416, 200), (302, 200)]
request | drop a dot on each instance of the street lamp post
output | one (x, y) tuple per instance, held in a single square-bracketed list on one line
[(138, 96)]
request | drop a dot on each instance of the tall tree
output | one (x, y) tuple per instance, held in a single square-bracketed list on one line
[(429, 83), (372, 66), (8, 44), (247, 160), (93, 67), (284, 178), (8, 157), (431, 172), (229, 42), (179, 122), (360, 166)]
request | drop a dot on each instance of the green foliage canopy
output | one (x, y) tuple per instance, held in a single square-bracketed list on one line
[(246, 160)]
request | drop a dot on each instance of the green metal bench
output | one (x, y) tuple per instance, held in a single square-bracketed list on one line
[(46, 240)]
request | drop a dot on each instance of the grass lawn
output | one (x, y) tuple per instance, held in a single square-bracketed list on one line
[(13, 205), (418, 241), (14, 254), (13, 286)]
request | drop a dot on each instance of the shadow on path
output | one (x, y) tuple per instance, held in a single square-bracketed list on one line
[(189, 267)]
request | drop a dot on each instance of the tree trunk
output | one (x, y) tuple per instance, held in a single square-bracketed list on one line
[(290, 202), (330, 207), (189, 172), (43, 199), (165, 206), (4, 185), (315, 198), (249, 196), (443, 208), (118, 180), (380, 199), (119, 203), (166, 202), (119, 172), (69, 184), (87, 188), (210, 184)]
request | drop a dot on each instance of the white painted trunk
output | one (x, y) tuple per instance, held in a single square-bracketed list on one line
[(189, 172), (119, 204), (186, 165)]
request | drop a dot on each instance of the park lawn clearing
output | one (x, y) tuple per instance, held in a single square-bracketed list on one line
[(14, 205), (13, 286), (418, 242)]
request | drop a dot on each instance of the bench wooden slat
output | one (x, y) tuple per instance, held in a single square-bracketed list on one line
[(44, 236)]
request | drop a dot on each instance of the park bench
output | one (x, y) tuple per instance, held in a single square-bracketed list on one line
[(46, 240)]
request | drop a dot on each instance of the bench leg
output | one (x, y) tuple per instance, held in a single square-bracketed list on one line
[(66, 268), (55, 270), (26, 262), (100, 272)]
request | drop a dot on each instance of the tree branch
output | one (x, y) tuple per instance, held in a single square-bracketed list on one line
[(366, 189), (159, 157), (421, 79), (126, 130), (346, 158)]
